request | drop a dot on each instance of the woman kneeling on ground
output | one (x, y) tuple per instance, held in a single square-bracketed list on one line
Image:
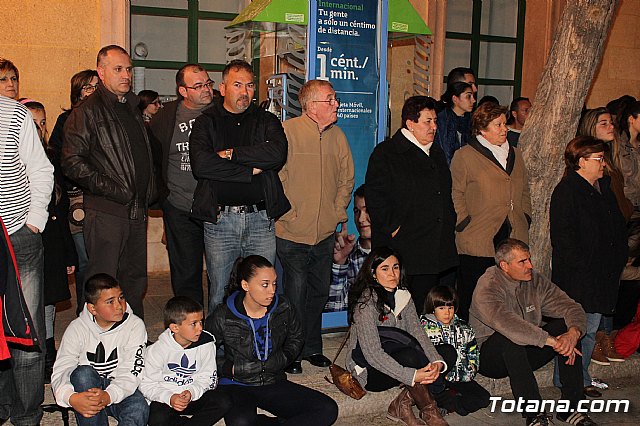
[(261, 336), (387, 344)]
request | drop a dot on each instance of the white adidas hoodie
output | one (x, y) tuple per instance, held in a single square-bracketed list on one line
[(171, 369), (117, 354)]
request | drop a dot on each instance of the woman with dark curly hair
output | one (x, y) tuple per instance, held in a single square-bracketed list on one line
[(387, 346), (408, 193)]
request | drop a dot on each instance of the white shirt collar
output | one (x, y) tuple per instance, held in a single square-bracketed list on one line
[(407, 134)]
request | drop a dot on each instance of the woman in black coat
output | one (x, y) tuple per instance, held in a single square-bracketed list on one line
[(588, 236), (408, 195), (83, 85)]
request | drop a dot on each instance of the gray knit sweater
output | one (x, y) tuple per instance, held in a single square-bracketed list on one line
[(364, 330)]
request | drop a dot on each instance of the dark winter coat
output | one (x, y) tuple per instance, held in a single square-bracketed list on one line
[(408, 189), (589, 241), (267, 151), (241, 363), (447, 134), (161, 129), (59, 248)]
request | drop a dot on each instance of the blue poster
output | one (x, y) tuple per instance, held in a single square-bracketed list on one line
[(346, 55)]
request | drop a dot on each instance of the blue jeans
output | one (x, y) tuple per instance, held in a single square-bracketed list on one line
[(22, 377), (306, 282), (606, 324), (235, 235), (83, 261), (588, 343), (131, 411)]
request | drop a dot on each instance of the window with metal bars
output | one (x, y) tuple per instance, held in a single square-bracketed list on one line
[(487, 36)]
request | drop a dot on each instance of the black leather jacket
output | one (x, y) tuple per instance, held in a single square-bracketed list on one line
[(96, 154), (267, 151), (241, 364)]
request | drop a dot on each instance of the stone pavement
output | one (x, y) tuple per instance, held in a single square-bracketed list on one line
[(371, 409)]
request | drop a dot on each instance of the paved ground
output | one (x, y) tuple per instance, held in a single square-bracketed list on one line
[(370, 410), (624, 388)]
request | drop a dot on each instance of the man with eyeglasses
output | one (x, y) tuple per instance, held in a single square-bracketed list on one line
[(236, 152), (170, 129), (106, 152), (317, 180)]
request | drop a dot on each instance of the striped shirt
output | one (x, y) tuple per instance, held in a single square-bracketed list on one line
[(26, 175)]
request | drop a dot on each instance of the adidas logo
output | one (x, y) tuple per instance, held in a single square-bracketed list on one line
[(184, 369), (103, 365)]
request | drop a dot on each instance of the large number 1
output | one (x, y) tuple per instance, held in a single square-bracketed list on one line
[(323, 66)]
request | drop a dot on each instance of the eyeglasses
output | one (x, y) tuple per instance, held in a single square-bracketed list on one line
[(200, 86), (90, 88), (157, 103), (331, 102), (599, 159)]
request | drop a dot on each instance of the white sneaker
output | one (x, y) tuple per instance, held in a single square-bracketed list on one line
[(599, 383)]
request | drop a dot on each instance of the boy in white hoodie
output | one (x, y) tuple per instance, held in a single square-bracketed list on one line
[(101, 358), (180, 377)]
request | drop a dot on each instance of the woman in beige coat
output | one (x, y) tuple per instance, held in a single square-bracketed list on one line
[(490, 195)]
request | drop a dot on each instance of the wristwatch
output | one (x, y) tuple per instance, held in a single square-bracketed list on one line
[(227, 154)]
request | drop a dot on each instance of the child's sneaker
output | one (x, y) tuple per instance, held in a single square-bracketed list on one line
[(599, 383)]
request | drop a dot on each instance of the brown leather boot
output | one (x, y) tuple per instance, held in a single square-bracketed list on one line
[(400, 410), (599, 354), (427, 405), (610, 348)]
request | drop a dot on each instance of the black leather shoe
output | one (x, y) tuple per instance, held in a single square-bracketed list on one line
[(294, 368), (318, 360), (592, 392)]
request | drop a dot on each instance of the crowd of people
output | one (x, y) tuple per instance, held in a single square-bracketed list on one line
[(438, 286)]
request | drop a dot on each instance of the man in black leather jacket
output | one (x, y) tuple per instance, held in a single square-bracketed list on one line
[(106, 151), (236, 150)]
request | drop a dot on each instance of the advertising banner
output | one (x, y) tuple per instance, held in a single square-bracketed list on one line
[(346, 55)]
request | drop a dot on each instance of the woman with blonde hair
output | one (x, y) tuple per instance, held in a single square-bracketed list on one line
[(598, 124)]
